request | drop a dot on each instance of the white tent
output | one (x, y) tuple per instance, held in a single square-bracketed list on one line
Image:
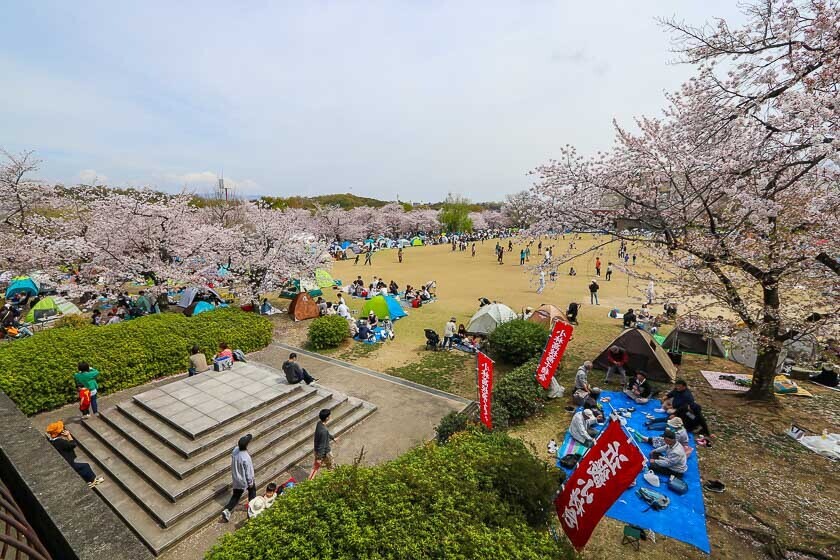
[(487, 318)]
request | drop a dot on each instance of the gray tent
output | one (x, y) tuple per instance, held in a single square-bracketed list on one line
[(190, 293), (743, 349), (681, 341), (489, 317)]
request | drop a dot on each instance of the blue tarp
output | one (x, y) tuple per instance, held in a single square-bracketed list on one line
[(685, 518), (345, 244), (22, 284)]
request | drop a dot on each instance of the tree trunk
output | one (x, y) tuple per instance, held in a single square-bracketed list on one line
[(764, 373), (769, 346)]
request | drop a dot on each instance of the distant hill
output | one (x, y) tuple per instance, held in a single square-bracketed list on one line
[(348, 201), (345, 201)]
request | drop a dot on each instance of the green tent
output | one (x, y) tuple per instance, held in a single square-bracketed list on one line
[(416, 242), (384, 306), (324, 279), (51, 306)]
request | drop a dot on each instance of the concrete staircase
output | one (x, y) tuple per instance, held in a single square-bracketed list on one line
[(165, 484)]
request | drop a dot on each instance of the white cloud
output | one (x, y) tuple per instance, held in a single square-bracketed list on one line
[(91, 177)]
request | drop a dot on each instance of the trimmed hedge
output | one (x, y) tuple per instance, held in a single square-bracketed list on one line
[(478, 496), (519, 393), (328, 332), (37, 372), (517, 341)]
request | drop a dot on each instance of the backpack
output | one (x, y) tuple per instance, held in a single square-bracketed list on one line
[(569, 461), (239, 356), (84, 398), (222, 364), (655, 500)]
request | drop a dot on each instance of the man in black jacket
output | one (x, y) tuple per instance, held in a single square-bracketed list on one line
[(294, 373), (639, 389), (323, 451)]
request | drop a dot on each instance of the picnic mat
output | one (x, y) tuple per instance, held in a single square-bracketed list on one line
[(570, 447), (685, 518), (379, 336), (713, 378)]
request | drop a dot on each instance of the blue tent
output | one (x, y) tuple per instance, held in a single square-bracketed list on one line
[(203, 306), (394, 308), (369, 241), (22, 284), (345, 244)]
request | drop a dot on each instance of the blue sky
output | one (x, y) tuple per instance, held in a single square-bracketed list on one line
[(383, 99)]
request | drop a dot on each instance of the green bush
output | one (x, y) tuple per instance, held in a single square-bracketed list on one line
[(519, 393), (450, 424), (72, 321), (517, 341), (328, 332), (466, 499), (37, 372)]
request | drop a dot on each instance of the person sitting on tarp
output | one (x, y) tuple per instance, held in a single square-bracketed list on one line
[(582, 388), (670, 310), (629, 319), (678, 397), (674, 424), (372, 320), (425, 295), (617, 357), (393, 289), (409, 292), (827, 376), (365, 332), (639, 389), (582, 429), (669, 459), (8, 315)]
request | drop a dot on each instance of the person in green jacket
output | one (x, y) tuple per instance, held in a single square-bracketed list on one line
[(86, 377)]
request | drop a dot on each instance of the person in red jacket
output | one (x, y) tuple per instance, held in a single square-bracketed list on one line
[(617, 358)]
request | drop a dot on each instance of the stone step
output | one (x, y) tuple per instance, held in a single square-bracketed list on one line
[(159, 539), (148, 480), (249, 398), (143, 423), (143, 447)]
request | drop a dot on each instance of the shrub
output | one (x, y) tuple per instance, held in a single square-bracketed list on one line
[(519, 393), (449, 425), (328, 332), (37, 372), (72, 321), (517, 341), (459, 500)]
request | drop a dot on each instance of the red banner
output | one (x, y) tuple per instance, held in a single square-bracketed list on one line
[(485, 389), (553, 353), (596, 483)]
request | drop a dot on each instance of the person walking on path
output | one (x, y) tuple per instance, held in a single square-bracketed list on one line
[(542, 282), (522, 257), (650, 292), (609, 271), (323, 451), (597, 266), (242, 472), (528, 253), (294, 373), (63, 442), (593, 292), (473, 249), (634, 259), (368, 255), (86, 377), (399, 254)]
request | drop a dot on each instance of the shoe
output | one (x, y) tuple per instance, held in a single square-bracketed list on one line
[(715, 486), (226, 516)]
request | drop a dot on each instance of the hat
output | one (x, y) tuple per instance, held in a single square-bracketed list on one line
[(675, 422), (588, 413), (595, 391), (452, 319), (55, 429), (669, 434), (257, 505)]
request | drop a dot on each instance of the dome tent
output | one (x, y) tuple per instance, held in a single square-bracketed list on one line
[(324, 279), (416, 242), (51, 306), (487, 318), (303, 306), (682, 341), (644, 354), (546, 315), (22, 284), (403, 243), (384, 306)]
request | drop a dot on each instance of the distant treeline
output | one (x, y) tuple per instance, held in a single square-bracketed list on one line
[(348, 201)]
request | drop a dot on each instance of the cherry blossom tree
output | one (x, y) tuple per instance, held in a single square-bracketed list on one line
[(478, 221), (424, 220), (517, 209), (735, 191)]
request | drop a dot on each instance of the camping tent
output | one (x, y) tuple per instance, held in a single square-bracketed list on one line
[(345, 244), (22, 284), (487, 318), (50, 306), (696, 343), (416, 242), (324, 279), (189, 295), (743, 349), (645, 354), (200, 307), (403, 243), (384, 306), (546, 315), (303, 307), (369, 241)]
